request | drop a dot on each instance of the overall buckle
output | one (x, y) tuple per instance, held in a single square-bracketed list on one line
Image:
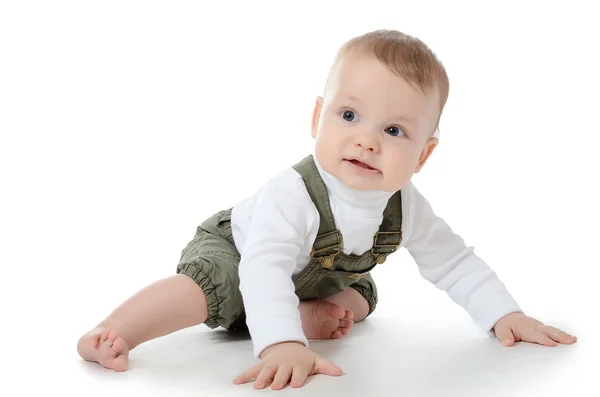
[(327, 260), (381, 257)]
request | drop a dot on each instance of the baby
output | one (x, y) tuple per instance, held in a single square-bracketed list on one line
[(293, 261)]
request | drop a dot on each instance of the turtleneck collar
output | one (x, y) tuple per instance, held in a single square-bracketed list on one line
[(368, 202)]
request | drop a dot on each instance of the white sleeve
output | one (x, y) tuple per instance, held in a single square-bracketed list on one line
[(444, 260), (281, 218)]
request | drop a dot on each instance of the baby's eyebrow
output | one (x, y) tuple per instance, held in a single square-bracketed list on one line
[(405, 119), (353, 98)]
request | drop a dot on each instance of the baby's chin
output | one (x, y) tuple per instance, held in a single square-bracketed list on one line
[(371, 185), (365, 186)]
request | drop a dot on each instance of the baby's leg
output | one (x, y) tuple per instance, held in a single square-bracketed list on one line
[(159, 309)]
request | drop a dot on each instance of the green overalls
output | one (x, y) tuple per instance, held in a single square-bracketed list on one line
[(212, 259)]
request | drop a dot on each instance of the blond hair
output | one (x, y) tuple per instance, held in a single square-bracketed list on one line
[(406, 56)]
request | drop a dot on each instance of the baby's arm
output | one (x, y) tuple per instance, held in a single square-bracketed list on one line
[(445, 260), (278, 226), (282, 216)]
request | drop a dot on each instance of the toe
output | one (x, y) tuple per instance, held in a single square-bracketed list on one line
[(88, 344), (334, 311), (346, 324), (120, 363), (349, 315), (104, 335), (112, 336), (336, 334), (117, 347)]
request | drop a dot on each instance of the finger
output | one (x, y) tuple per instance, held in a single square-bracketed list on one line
[(573, 337), (299, 376), (282, 377), (326, 367), (536, 336), (248, 375), (542, 339), (557, 334), (265, 376), (505, 334)]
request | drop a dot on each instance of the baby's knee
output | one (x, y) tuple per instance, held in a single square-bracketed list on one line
[(361, 305)]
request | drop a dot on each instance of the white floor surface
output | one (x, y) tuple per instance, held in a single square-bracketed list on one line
[(417, 343)]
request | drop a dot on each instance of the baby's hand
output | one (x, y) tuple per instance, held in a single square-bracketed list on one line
[(283, 361), (516, 327)]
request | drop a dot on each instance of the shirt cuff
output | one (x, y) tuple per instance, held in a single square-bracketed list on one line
[(276, 330), (489, 304)]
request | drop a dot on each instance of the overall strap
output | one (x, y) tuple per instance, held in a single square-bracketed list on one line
[(329, 239), (389, 236)]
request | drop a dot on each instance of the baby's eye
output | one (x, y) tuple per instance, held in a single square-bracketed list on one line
[(348, 115), (393, 131)]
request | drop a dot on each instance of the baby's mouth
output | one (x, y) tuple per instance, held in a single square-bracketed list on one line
[(361, 164)]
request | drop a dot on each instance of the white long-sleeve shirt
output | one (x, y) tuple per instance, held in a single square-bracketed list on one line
[(275, 228)]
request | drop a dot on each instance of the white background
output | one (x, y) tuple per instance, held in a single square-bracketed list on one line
[(126, 123)]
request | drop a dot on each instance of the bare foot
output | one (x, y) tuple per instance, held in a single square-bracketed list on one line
[(325, 320), (105, 347)]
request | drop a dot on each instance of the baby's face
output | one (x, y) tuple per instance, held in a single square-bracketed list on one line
[(372, 128)]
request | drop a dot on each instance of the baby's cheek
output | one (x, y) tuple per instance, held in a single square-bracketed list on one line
[(402, 170), (327, 144)]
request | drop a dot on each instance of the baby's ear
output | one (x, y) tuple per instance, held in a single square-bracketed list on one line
[(316, 116), (430, 145)]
